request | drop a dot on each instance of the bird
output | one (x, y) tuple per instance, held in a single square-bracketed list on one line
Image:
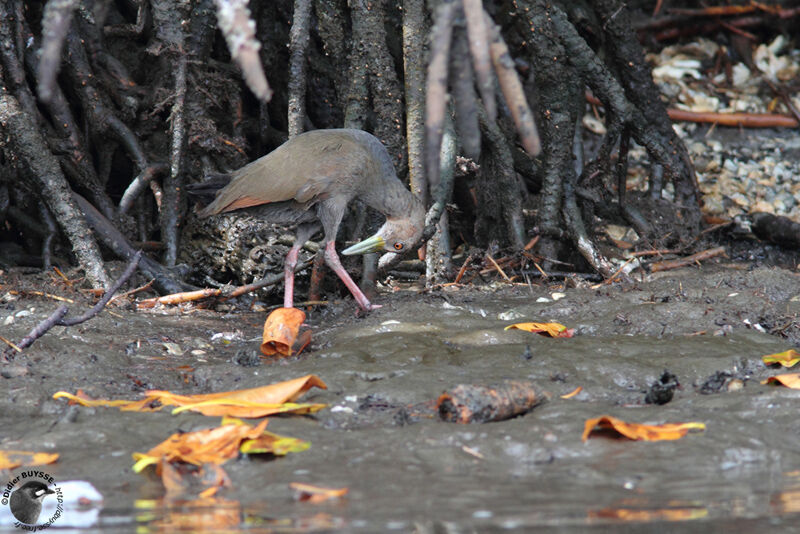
[(308, 181), (26, 501)]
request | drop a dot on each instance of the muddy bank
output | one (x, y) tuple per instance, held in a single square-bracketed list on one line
[(530, 472)]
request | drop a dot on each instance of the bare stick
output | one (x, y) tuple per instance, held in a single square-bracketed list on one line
[(688, 260), (58, 317)]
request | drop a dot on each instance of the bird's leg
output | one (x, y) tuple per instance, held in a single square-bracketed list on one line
[(332, 259), (288, 274), (316, 276)]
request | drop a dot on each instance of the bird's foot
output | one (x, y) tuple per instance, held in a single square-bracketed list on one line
[(364, 309)]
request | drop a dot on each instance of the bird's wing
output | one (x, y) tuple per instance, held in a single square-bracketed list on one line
[(303, 169)]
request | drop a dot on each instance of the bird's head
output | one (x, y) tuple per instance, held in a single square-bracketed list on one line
[(35, 490), (396, 235)]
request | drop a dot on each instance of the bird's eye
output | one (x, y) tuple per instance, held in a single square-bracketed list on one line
[(398, 246)]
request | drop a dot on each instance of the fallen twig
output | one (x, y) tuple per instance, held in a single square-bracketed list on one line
[(224, 293), (496, 266), (58, 317), (688, 260), (745, 120)]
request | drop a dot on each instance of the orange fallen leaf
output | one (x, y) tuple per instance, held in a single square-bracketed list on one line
[(545, 329), (787, 358), (281, 330), (14, 459), (637, 431), (254, 402), (572, 393), (790, 380), (650, 516), (315, 494), (80, 397), (190, 460), (213, 445)]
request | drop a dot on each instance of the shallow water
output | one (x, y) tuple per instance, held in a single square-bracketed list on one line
[(529, 473)]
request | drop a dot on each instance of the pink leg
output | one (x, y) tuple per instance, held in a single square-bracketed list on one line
[(288, 275), (332, 259)]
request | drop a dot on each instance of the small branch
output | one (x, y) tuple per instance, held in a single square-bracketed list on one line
[(688, 260), (744, 120), (58, 317), (97, 308), (201, 294)]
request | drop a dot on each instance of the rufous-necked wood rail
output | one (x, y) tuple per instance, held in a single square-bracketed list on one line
[(310, 180)]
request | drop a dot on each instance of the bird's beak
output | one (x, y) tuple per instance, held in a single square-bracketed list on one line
[(372, 244)]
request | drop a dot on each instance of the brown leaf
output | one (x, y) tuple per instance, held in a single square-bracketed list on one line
[(315, 494), (787, 358), (254, 402), (545, 329), (790, 380), (282, 333), (14, 459), (637, 431)]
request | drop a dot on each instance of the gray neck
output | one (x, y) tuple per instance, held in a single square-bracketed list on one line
[(387, 193), (391, 198)]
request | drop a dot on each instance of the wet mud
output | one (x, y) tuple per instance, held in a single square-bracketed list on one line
[(707, 326)]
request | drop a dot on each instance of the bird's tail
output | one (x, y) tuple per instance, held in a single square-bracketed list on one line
[(205, 192)]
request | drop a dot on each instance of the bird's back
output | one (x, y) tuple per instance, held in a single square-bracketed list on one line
[(306, 169)]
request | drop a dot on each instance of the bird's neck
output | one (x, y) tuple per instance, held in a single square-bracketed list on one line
[(391, 198)]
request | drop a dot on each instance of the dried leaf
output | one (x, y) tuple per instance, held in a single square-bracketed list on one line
[(254, 402), (315, 494), (545, 329), (269, 443), (637, 431), (787, 358), (650, 516), (14, 459), (282, 335), (790, 380), (213, 445), (84, 400)]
